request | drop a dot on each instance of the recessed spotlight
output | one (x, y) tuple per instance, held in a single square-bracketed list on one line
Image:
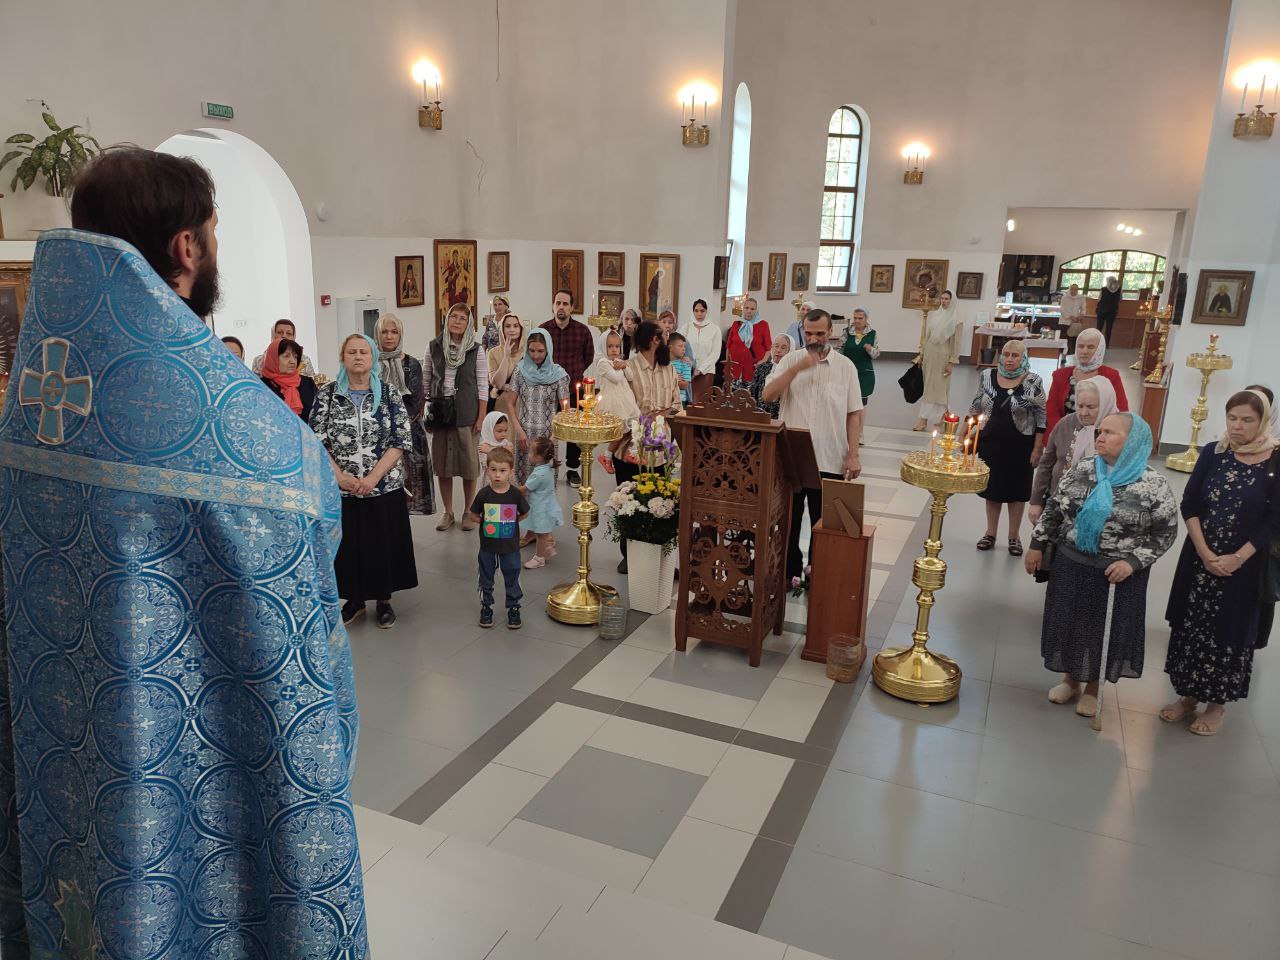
[(1137, 233), (1011, 224), (1119, 226)]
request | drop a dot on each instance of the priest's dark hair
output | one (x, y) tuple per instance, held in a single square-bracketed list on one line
[(643, 339), (145, 198)]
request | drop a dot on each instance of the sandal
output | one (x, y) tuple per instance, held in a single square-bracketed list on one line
[(1208, 724), (1015, 547), (606, 462), (921, 425), (1178, 711), (987, 542)]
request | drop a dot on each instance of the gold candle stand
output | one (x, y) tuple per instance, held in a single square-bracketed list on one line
[(1206, 363), (578, 601), (916, 673)]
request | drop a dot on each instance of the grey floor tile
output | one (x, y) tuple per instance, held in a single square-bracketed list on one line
[(972, 648), (721, 669), (924, 756), (1210, 912), (1082, 783), (1036, 866), (615, 800), (1203, 820), (968, 711), (893, 828), (1234, 759), (848, 911), (988, 931), (509, 659), (440, 709), (1028, 716), (390, 767)]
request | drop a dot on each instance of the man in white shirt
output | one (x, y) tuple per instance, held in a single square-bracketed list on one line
[(819, 392)]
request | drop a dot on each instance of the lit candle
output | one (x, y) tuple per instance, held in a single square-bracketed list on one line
[(437, 88), (976, 434), (933, 446), (593, 304), (564, 404), (424, 92), (1243, 96), (964, 461), (1263, 95), (577, 389)]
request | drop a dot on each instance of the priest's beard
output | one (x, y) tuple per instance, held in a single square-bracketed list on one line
[(206, 293)]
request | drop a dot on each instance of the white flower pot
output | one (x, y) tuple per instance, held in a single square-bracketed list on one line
[(44, 212), (650, 576)]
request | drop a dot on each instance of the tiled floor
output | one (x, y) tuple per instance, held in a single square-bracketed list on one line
[(544, 794)]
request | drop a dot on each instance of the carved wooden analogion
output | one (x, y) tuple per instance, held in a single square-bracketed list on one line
[(735, 505)]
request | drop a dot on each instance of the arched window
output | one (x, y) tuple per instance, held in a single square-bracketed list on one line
[(843, 178), (1135, 269), (739, 173)]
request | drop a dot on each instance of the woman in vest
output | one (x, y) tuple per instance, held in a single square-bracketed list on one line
[(453, 369)]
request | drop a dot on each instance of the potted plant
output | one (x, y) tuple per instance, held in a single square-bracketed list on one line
[(56, 158), (646, 513)]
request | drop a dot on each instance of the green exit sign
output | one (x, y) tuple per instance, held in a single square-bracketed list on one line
[(217, 111)]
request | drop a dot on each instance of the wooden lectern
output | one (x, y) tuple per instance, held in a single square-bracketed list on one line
[(738, 469)]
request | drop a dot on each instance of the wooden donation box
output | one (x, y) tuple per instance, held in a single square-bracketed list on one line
[(735, 504), (839, 587)]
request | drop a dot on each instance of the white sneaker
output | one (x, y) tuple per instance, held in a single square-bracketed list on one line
[(534, 562)]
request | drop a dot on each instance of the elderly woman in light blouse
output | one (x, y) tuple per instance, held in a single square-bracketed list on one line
[(1071, 440)]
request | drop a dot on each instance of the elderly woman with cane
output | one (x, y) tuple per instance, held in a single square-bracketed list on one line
[(1110, 519)]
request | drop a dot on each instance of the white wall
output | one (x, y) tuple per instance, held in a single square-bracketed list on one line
[(1011, 97), (1236, 229), (1067, 233)]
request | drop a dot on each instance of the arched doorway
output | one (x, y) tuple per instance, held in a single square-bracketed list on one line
[(264, 244)]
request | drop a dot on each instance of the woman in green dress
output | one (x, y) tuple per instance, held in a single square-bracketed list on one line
[(860, 347)]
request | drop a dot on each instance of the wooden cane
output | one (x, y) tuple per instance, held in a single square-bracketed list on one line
[(1106, 641)]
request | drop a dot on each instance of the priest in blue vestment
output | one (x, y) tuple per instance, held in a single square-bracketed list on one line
[(177, 707)]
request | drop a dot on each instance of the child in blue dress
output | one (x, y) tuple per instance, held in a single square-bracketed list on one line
[(544, 509)]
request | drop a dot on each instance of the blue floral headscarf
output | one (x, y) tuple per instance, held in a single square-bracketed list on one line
[(1129, 468)]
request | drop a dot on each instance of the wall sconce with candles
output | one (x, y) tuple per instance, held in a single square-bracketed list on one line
[(694, 134), (1258, 76), (431, 113), (915, 154)]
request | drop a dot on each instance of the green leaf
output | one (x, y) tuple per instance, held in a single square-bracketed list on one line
[(51, 123), (77, 150), (21, 138), (11, 155), (29, 177)]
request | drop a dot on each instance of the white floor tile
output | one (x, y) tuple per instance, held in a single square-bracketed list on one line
[(575, 855), (656, 633), (547, 744), (622, 926), (379, 832), (795, 953), (805, 671), (481, 809), (741, 790), (621, 672), (787, 710), (694, 701), (671, 748), (696, 867)]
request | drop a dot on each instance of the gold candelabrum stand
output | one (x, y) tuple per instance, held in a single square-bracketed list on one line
[(1163, 320), (916, 673), (604, 320), (578, 601), (1206, 363)]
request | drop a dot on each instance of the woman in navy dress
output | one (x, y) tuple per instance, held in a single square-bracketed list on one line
[(1231, 506)]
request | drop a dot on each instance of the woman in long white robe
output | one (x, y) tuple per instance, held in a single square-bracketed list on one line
[(939, 353)]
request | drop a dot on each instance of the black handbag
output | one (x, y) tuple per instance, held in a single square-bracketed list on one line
[(441, 414), (912, 383)]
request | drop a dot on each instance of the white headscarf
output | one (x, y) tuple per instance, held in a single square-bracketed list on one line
[(1262, 442), (392, 363), (1082, 446), (943, 323), (491, 421), (1099, 355)]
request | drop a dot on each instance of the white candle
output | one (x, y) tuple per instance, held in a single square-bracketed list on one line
[(1243, 95)]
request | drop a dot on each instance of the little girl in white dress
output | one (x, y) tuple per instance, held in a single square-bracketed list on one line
[(613, 377)]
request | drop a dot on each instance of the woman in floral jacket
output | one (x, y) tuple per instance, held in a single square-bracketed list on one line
[(365, 428), (1111, 518)]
